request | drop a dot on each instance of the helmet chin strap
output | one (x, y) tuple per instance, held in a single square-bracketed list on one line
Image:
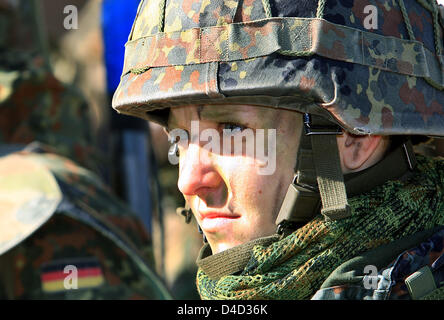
[(318, 184)]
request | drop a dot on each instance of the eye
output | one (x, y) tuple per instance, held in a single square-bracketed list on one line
[(233, 127)]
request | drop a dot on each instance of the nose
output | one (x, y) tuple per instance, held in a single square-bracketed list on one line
[(198, 175)]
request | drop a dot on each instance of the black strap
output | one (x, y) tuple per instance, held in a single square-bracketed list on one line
[(303, 201)]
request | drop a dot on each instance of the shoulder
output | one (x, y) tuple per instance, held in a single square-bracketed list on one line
[(408, 268), (68, 259), (86, 226), (431, 165), (87, 199)]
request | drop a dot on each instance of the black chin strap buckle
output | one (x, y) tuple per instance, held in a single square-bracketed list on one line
[(300, 205), (287, 227)]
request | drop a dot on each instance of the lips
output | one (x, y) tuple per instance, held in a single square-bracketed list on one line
[(216, 222), (214, 215)]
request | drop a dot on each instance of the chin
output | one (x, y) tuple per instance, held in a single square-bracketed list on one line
[(219, 247)]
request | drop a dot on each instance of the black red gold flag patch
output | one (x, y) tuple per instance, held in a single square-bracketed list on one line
[(71, 274)]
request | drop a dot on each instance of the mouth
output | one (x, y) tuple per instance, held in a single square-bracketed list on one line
[(216, 221)]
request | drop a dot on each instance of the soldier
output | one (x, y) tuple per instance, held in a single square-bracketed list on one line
[(63, 234), (350, 212)]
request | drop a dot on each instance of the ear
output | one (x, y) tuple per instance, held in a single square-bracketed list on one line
[(358, 152)]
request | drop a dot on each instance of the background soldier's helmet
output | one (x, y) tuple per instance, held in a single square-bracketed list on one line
[(34, 105), (373, 67)]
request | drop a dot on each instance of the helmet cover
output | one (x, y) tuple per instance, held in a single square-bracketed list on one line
[(383, 76)]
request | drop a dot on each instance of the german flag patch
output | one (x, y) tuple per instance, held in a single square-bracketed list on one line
[(71, 274)]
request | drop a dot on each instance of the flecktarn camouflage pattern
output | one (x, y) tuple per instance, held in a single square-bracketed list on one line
[(36, 106), (319, 57), (29, 195), (57, 214), (416, 273), (63, 233)]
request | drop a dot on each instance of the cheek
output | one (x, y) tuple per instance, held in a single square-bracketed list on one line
[(253, 191), (239, 171), (245, 171), (241, 177)]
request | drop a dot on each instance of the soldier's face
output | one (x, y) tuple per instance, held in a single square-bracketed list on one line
[(235, 189)]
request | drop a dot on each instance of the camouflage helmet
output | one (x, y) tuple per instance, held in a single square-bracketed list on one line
[(373, 67)]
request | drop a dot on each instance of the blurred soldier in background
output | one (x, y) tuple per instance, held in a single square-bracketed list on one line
[(63, 235), (348, 192)]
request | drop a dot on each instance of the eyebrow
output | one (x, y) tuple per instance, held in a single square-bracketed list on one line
[(214, 113), (210, 113)]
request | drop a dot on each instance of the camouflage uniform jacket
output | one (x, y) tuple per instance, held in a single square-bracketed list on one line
[(61, 228), (65, 236), (417, 271)]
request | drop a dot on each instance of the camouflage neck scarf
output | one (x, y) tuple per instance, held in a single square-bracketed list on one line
[(296, 266)]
